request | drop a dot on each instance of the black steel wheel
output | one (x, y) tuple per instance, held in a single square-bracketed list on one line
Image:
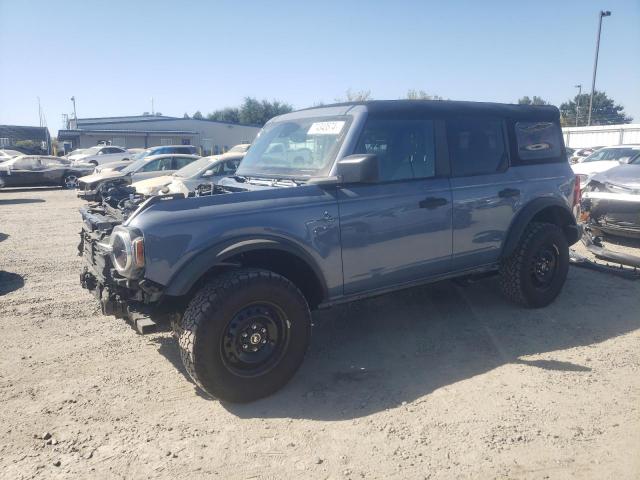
[(244, 334), (534, 274), (544, 265), (255, 339)]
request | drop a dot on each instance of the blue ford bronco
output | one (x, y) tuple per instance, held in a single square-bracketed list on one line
[(330, 205)]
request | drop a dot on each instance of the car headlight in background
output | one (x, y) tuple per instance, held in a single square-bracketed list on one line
[(127, 252), (584, 179)]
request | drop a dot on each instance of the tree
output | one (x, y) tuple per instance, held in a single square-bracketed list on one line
[(605, 111), (355, 96), (197, 115), (532, 101), (229, 115), (186, 115), (254, 112), (421, 95)]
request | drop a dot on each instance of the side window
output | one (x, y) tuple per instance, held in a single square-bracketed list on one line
[(538, 141), (51, 162), (230, 167), (476, 146), (405, 148), (152, 166), (179, 162), (26, 163)]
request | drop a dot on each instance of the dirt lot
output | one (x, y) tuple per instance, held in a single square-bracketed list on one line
[(436, 382)]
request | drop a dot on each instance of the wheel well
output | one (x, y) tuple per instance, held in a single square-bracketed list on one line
[(281, 262), (560, 217)]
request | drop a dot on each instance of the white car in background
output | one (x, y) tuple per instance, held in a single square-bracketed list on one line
[(144, 168), (6, 154), (101, 154), (604, 159), (204, 170)]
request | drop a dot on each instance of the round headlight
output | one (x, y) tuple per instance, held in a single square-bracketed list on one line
[(121, 251)]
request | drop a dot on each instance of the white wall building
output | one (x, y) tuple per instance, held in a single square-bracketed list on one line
[(145, 131), (602, 135)]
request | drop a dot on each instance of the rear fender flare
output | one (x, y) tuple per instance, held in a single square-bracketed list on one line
[(524, 217)]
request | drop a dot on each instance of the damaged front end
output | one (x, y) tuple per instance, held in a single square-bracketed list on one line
[(113, 266), (608, 209), (114, 257), (611, 209)]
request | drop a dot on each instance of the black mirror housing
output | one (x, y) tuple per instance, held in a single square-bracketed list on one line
[(360, 168)]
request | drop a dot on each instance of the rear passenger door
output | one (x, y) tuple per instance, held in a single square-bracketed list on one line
[(486, 191), (398, 230)]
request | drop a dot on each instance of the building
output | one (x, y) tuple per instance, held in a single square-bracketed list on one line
[(143, 131), (602, 135), (35, 140)]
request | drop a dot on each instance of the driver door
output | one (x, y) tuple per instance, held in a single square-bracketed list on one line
[(398, 230)]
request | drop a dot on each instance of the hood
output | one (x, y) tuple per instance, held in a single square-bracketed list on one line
[(589, 168), (623, 175), (96, 177), (152, 185)]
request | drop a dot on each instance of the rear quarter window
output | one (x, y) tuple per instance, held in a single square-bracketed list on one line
[(538, 142)]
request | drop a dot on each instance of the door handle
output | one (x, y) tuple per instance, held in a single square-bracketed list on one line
[(509, 192), (432, 202)]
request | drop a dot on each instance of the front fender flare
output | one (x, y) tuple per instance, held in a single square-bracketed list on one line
[(182, 282)]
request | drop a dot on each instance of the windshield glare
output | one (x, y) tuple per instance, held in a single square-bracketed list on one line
[(195, 167), (299, 148)]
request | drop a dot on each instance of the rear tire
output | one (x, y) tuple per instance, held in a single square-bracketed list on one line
[(534, 274), (244, 334)]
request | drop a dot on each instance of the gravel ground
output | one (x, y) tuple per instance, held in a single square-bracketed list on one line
[(441, 381)]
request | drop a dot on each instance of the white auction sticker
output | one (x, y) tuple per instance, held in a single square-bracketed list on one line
[(325, 128)]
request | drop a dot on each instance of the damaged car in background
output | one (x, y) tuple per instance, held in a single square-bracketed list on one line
[(611, 207), (41, 170), (94, 187), (202, 172)]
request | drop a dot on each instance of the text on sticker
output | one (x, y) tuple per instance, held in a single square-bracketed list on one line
[(325, 128)]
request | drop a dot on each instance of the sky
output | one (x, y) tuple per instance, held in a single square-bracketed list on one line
[(114, 56)]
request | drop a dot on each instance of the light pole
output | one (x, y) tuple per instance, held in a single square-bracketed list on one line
[(75, 116), (603, 13), (579, 87)]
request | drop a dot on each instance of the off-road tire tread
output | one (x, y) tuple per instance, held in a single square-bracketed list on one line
[(511, 267), (208, 296)]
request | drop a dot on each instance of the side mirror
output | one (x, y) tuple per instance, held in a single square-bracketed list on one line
[(624, 160), (361, 168), (208, 173)]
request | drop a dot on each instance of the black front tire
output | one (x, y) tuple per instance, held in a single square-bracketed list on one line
[(211, 335), (534, 274)]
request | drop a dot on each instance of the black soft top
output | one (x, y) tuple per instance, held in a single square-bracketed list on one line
[(445, 108)]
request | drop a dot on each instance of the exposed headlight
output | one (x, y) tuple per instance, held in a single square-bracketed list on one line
[(584, 179), (127, 252)]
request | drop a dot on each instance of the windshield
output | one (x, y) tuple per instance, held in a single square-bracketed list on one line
[(91, 151), (239, 149), (140, 155), (133, 167), (194, 167), (612, 154), (299, 148)]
